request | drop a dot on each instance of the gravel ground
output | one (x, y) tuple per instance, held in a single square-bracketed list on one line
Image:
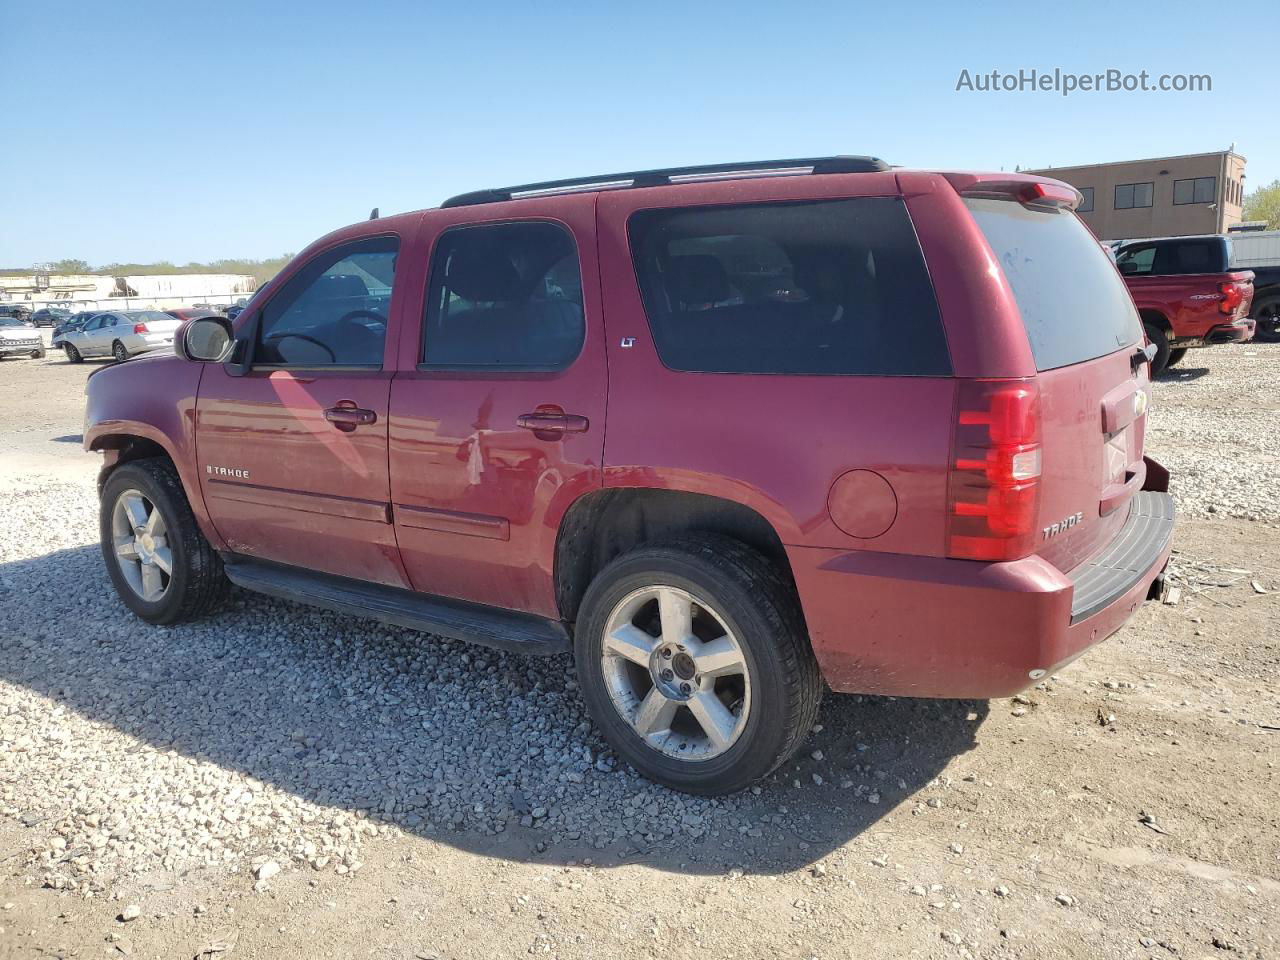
[(294, 783), (1213, 424)]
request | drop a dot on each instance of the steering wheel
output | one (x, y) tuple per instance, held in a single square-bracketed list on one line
[(357, 314), (333, 357)]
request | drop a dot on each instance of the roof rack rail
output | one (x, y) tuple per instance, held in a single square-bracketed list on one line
[(669, 175)]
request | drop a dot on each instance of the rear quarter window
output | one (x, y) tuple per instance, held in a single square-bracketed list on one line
[(1074, 305), (836, 287)]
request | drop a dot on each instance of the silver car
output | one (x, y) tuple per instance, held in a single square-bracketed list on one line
[(119, 334)]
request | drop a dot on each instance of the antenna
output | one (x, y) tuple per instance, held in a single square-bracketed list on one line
[(373, 214)]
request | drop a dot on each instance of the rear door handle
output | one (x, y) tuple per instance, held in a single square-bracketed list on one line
[(346, 416), (553, 424)]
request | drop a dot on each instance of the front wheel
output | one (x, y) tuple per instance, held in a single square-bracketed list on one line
[(73, 355), (162, 566), (695, 663), (119, 352)]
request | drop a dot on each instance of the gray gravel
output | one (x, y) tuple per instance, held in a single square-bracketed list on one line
[(280, 735), (1213, 423)]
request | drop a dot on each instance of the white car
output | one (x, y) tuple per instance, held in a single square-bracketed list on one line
[(119, 334), (19, 340)]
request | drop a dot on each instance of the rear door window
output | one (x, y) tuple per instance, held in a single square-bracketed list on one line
[(1189, 256), (830, 287), (1073, 304), (504, 296)]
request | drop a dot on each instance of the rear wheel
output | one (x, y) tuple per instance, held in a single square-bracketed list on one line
[(1175, 356), (695, 663), (73, 355), (160, 563), (1267, 315), (1160, 340), (119, 352)]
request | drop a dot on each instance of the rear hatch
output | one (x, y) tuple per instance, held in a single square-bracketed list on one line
[(1085, 336)]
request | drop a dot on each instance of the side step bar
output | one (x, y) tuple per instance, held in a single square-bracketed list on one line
[(445, 617)]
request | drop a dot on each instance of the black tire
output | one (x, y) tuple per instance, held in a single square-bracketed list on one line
[(1175, 356), (73, 355), (197, 584), (759, 605), (1160, 340), (119, 352), (1267, 315)]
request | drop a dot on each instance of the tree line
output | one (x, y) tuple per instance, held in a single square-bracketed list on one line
[(261, 270)]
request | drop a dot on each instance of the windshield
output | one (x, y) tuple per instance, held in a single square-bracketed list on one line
[(1073, 303), (148, 316), (6, 321)]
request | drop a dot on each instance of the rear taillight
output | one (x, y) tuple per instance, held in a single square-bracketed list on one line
[(139, 328), (1232, 296), (994, 485)]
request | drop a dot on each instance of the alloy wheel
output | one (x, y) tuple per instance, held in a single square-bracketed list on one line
[(676, 673), (141, 543)]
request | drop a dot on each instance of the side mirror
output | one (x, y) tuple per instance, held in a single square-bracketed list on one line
[(206, 339), (1128, 268)]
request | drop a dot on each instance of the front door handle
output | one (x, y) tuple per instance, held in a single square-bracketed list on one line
[(346, 416), (549, 426)]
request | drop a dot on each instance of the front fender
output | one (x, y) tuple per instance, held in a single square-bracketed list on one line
[(143, 405)]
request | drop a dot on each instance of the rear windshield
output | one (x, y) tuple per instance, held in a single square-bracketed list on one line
[(830, 287), (1073, 303)]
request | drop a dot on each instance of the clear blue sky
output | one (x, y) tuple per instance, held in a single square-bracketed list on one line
[(182, 131)]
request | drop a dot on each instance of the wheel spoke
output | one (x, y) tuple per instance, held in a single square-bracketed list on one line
[(631, 643), (135, 509), (127, 548), (676, 612), (155, 523), (152, 584), (163, 558), (720, 658), (654, 714), (714, 718)]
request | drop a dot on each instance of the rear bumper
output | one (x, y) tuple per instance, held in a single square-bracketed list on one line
[(1238, 331), (142, 342), (933, 627)]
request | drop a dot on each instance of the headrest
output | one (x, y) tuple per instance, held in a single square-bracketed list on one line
[(484, 273), (336, 285), (698, 279)]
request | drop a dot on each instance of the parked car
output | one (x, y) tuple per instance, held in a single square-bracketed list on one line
[(49, 317), (725, 435), (193, 313), (73, 322), (1187, 294), (237, 308), (1260, 252), (119, 334), (17, 311), (18, 339)]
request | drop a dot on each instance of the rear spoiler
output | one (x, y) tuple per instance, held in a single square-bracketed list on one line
[(1025, 189)]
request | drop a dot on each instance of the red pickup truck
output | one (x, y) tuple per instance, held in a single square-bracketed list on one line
[(1186, 294)]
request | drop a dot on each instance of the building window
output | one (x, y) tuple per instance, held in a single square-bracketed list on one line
[(1196, 190), (1130, 195), (1086, 204)]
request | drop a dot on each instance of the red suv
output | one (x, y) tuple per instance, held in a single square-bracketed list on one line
[(724, 432)]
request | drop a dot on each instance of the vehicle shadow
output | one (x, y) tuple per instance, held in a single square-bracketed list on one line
[(441, 739), (1178, 374)]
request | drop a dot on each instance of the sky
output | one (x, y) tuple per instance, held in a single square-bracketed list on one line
[(137, 132)]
